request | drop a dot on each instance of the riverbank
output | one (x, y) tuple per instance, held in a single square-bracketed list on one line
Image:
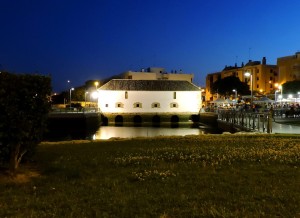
[(251, 175)]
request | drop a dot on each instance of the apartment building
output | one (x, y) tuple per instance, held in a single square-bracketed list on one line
[(289, 68), (264, 77)]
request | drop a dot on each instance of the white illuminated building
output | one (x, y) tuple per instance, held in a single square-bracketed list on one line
[(127, 98)]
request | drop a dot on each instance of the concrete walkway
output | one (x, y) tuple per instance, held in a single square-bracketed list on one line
[(279, 127)]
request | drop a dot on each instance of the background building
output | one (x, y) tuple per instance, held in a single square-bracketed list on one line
[(156, 73), (264, 77), (289, 68)]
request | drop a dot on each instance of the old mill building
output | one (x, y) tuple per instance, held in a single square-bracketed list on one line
[(156, 99)]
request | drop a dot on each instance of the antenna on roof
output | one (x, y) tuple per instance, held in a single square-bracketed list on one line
[(249, 54)]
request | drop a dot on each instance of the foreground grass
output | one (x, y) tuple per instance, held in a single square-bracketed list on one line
[(194, 176)]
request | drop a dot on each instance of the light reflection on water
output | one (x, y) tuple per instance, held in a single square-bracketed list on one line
[(106, 132)]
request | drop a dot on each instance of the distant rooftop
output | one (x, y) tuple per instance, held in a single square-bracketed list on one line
[(149, 85)]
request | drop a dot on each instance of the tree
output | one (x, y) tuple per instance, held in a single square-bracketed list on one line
[(24, 106), (291, 87), (226, 85), (78, 93)]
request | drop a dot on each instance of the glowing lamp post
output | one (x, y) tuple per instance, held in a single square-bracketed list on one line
[(276, 95), (71, 89), (85, 98), (235, 92), (96, 85), (248, 74), (280, 88)]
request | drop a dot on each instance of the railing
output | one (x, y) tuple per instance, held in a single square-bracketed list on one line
[(75, 110), (254, 121), (286, 113)]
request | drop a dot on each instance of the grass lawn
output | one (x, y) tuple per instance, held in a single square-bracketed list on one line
[(194, 176)]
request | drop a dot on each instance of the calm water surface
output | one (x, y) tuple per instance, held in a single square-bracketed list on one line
[(106, 132), (72, 131)]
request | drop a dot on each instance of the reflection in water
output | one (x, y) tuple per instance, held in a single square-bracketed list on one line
[(73, 129), (106, 132)]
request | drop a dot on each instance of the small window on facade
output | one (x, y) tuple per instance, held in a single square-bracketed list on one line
[(155, 105), (173, 105), (257, 78), (174, 95), (130, 77), (137, 104), (257, 86), (271, 78), (119, 105), (106, 105), (126, 95)]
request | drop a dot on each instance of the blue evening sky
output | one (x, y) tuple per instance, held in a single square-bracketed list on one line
[(79, 40)]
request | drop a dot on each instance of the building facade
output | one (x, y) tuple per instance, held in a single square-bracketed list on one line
[(129, 100), (155, 73), (264, 77), (289, 68)]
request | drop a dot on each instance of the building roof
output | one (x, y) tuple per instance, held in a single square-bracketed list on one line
[(149, 85), (252, 63)]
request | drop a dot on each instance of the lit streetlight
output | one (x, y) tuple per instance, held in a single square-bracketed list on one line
[(85, 98), (276, 95), (71, 89), (280, 88), (96, 84), (66, 97), (235, 91), (248, 74)]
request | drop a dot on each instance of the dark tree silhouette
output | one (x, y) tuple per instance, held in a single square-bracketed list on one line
[(291, 87), (226, 85), (24, 106)]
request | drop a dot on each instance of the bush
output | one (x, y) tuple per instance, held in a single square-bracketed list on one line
[(24, 106)]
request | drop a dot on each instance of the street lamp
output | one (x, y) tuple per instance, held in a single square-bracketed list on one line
[(280, 88), (66, 95), (276, 95), (247, 74), (71, 89), (96, 84), (290, 96), (85, 98), (234, 90)]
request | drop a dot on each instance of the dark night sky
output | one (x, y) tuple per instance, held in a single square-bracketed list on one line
[(81, 40)]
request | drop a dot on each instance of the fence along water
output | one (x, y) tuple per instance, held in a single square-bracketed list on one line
[(251, 121)]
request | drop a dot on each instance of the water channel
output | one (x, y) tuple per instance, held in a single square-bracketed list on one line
[(106, 132)]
